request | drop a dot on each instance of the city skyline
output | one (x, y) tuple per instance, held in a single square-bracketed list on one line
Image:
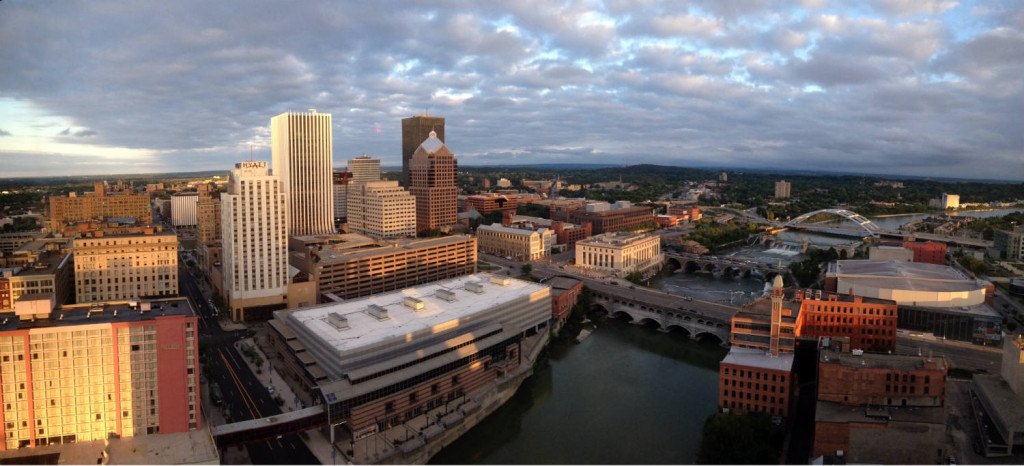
[(930, 88)]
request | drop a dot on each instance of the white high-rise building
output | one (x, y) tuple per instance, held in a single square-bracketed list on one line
[(364, 169), (381, 209), (301, 157), (183, 209), (254, 224)]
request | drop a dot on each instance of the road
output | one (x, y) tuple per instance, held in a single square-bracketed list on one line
[(244, 396), (962, 356)]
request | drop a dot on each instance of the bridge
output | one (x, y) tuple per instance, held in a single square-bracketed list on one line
[(728, 266), (860, 220), (269, 428), (697, 318)]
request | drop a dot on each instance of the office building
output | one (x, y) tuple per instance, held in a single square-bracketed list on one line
[(381, 209), (353, 265), (125, 263), (415, 130), (301, 157), (255, 244), (364, 169), (341, 179), (723, 177), (432, 174), (490, 202), (99, 205), (208, 214), (184, 208), (879, 408), (950, 201), (620, 254), (604, 217), (999, 401), (928, 252), (89, 372), (1010, 244), (40, 272), (387, 363), (518, 243), (782, 189), (566, 234)]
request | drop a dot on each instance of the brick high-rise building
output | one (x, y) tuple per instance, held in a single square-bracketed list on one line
[(98, 206), (415, 130), (433, 171), (301, 157), (208, 214)]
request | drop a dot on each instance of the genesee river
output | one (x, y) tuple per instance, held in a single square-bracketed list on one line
[(626, 395)]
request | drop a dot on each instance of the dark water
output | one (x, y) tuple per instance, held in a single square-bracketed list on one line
[(627, 394)]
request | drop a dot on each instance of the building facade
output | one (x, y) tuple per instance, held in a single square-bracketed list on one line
[(1010, 243), (364, 169), (606, 218), (208, 215), (97, 206), (42, 269), (686, 212), (341, 179), (184, 209), (519, 244), (415, 130), (620, 253), (381, 209), (870, 324), (302, 156), (360, 266), (433, 172), (255, 245), (130, 263), (565, 292), (490, 202), (928, 252), (782, 189), (98, 371)]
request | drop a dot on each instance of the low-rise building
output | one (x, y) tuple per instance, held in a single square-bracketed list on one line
[(490, 202), (517, 243), (620, 253), (605, 217), (352, 265), (98, 205), (927, 252), (890, 253), (687, 212), (89, 372), (565, 292)]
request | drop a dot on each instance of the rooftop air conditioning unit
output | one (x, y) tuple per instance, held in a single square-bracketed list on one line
[(446, 295), (338, 321), (501, 281), (377, 311), (415, 304), (475, 287)]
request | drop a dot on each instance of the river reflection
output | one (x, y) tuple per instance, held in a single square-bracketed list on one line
[(627, 395)]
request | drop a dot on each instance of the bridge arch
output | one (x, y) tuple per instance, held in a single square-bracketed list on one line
[(677, 328), (859, 219), (700, 336), (673, 264)]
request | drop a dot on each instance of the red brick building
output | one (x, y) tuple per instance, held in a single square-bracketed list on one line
[(432, 173), (564, 294), (687, 212), (870, 323), (929, 253), (490, 202), (751, 381), (569, 234), (612, 220), (666, 221)]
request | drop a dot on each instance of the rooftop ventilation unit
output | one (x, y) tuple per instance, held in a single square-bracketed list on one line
[(475, 287), (445, 295), (501, 281), (817, 294), (377, 311), (338, 321), (415, 304), (857, 352)]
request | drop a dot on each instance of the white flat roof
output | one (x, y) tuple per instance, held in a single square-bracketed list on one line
[(758, 358), (916, 276), (365, 329)]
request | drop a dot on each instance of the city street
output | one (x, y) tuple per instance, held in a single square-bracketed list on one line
[(244, 396)]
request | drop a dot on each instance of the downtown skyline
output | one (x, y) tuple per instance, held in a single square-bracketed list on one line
[(926, 88)]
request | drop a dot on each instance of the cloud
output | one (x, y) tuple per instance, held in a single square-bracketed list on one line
[(81, 133), (4, 133)]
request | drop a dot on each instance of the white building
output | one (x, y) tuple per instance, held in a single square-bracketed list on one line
[(950, 201), (381, 209), (782, 189), (301, 156), (504, 183), (517, 243), (183, 209), (620, 253), (254, 216), (364, 169)]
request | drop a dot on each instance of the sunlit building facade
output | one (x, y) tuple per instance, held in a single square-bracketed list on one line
[(301, 157)]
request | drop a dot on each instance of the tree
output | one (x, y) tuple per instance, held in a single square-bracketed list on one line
[(526, 269), (740, 439), (635, 277)]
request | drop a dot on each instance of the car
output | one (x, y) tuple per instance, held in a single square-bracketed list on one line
[(270, 388)]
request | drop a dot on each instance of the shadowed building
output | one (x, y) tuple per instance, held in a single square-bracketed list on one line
[(432, 172), (415, 130)]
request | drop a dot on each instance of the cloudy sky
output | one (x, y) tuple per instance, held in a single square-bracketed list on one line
[(919, 87)]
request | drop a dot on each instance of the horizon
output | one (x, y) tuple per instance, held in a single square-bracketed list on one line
[(885, 88)]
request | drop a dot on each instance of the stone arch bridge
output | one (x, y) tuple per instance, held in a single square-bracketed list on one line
[(728, 266), (697, 318)]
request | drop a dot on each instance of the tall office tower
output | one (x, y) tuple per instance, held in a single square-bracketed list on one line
[(183, 209), (381, 209), (301, 156), (415, 130), (341, 180), (782, 189), (208, 214), (364, 169), (432, 171), (255, 228)]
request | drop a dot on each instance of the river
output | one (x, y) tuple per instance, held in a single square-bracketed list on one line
[(626, 395)]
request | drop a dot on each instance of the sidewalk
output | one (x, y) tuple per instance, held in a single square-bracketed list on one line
[(315, 439)]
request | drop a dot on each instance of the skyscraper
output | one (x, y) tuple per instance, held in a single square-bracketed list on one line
[(301, 156), (432, 173), (255, 228), (364, 169), (415, 130)]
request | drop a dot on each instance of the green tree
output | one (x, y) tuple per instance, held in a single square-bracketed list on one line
[(526, 269), (635, 277), (740, 439)]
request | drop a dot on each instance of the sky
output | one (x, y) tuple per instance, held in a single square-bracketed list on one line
[(894, 87)]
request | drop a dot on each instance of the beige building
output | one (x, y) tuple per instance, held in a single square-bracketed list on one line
[(301, 155), (183, 209), (208, 214), (620, 253), (782, 189), (364, 169), (381, 209), (125, 264), (353, 265), (91, 372), (517, 243), (890, 253), (98, 205)]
